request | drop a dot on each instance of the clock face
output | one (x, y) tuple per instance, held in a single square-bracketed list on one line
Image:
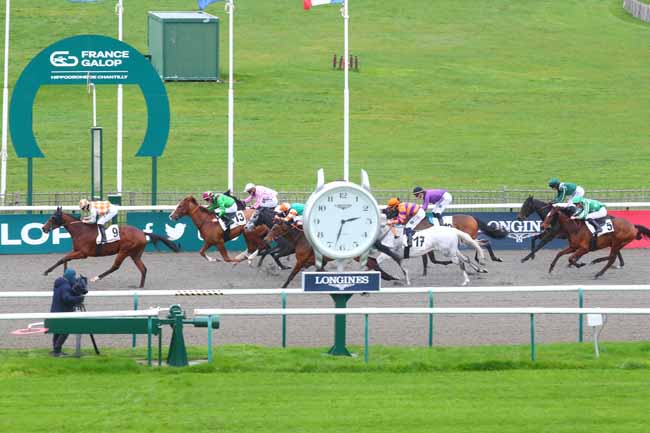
[(342, 220)]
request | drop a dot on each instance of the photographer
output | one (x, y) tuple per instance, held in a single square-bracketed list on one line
[(68, 293)]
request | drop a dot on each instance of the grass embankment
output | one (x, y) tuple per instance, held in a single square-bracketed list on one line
[(454, 93), (477, 389)]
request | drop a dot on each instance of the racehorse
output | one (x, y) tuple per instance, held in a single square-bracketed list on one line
[(464, 223), (131, 244), (532, 205), (580, 237), (305, 256), (443, 239), (212, 233), (265, 217)]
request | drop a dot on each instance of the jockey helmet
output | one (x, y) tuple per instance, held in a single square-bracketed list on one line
[(554, 182), (418, 190), (248, 187), (577, 200), (283, 207), (208, 195), (393, 202), (84, 204)]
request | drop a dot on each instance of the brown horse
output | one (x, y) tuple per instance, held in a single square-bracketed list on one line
[(580, 237), (131, 244), (212, 233), (305, 256), (471, 226)]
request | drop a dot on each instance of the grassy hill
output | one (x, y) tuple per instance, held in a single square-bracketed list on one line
[(451, 93)]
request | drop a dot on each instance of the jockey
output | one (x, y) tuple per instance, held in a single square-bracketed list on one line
[(566, 191), (409, 215), (264, 197), (290, 213), (100, 212), (589, 210), (223, 205), (439, 198)]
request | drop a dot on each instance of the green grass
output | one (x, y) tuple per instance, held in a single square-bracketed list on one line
[(253, 389), (452, 93)]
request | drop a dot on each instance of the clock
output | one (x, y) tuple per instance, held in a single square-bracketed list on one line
[(341, 219)]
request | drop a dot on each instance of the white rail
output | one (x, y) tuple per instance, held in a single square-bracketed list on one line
[(632, 204), (128, 313), (451, 310), (387, 290)]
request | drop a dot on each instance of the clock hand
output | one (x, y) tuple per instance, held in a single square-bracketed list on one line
[(340, 230), (351, 219)]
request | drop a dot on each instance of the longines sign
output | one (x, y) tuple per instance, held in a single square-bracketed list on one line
[(340, 281)]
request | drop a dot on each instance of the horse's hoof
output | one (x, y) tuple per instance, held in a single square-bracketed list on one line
[(498, 259), (465, 283), (45, 273), (483, 271), (94, 279)]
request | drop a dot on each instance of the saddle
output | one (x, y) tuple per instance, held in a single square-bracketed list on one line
[(606, 226), (448, 220), (112, 234)]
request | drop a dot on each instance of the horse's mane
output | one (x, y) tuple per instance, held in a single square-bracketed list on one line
[(70, 215), (192, 200)]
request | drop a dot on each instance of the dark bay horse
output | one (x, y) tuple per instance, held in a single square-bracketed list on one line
[(541, 208), (131, 244), (580, 237), (212, 233), (305, 256)]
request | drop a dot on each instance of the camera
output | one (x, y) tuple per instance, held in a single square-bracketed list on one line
[(80, 287)]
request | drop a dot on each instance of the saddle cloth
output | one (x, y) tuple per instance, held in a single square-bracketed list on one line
[(112, 234), (238, 220), (606, 225), (448, 220)]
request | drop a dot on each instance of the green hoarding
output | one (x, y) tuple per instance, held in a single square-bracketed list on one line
[(22, 234)]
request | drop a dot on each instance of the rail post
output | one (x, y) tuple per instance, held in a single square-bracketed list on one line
[(339, 349), (365, 340), (284, 320), (533, 356), (135, 307), (580, 324), (431, 319), (209, 339)]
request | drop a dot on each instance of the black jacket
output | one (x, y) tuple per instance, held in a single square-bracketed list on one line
[(64, 298)]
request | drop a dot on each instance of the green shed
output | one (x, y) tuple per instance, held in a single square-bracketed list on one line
[(184, 46)]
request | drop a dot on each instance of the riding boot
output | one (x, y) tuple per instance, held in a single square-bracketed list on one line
[(409, 238), (407, 252), (102, 231), (597, 228), (439, 218), (594, 238)]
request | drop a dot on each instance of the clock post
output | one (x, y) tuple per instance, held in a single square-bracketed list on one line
[(341, 223)]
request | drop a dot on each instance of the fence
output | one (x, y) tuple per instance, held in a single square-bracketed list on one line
[(220, 312), (430, 291), (461, 196), (637, 9)]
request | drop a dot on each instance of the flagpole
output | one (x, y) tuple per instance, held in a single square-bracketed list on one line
[(5, 107), (120, 10), (230, 10), (346, 96)]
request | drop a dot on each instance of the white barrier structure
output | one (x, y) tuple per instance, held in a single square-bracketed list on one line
[(151, 312), (212, 313), (431, 291)]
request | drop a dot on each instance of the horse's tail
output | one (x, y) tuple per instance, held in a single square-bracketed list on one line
[(492, 232), (642, 231), (467, 240), (155, 238)]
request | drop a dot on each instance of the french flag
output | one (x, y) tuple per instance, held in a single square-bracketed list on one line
[(307, 4)]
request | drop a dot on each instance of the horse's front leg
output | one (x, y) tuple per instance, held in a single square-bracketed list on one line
[(203, 253), (488, 247), (573, 260), (560, 254), (74, 255)]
